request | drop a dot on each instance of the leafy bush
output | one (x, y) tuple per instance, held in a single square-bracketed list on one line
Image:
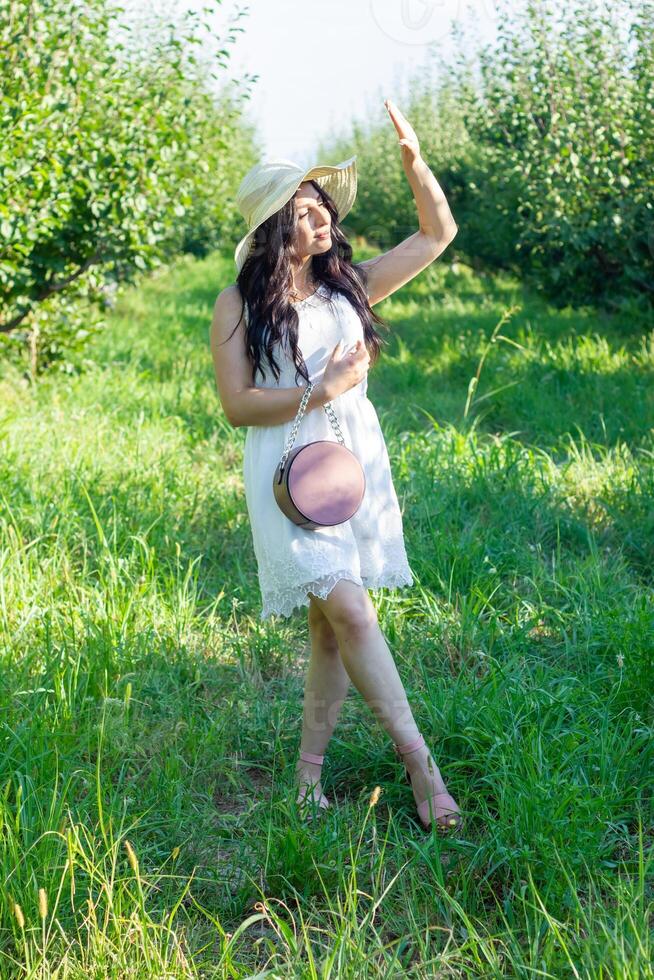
[(114, 160), (562, 123), (544, 146)]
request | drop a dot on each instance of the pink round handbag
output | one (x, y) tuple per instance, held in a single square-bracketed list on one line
[(321, 483)]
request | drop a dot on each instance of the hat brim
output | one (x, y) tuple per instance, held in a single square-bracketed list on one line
[(340, 182)]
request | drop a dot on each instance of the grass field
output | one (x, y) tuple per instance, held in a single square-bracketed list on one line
[(150, 721)]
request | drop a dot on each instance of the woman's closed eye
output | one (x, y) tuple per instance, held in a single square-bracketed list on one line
[(306, 212)]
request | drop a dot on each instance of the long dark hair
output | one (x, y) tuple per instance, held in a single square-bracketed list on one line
[(265, 282)]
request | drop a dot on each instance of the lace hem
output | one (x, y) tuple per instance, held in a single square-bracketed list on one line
[(286, 601)]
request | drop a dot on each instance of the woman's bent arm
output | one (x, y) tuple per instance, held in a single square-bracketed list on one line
[(272, 406), (243, 403)]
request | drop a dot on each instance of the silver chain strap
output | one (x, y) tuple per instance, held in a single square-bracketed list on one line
[(331, 415)]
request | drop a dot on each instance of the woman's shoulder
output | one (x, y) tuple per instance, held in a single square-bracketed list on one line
[(227, 316), (229, 303), (229, 295)]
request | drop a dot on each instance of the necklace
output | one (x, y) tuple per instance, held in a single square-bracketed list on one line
[(294, 294)]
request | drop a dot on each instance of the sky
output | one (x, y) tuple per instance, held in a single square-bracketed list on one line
[(323, 62)]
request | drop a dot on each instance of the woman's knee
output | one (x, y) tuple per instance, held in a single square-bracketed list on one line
[(349, 609), (320, 628)]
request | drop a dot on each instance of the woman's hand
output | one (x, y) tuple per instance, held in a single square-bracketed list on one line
[(345, 369), (407, 136)]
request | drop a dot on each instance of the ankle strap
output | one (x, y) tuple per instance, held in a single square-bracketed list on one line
[(408, 747), (310, 757)]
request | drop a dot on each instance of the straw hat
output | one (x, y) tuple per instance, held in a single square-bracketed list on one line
[(269, 185)]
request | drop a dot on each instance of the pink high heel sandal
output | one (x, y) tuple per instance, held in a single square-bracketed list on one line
[(305, 800), (439, 801)]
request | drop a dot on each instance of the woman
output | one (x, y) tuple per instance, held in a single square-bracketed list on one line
[(301, 302)]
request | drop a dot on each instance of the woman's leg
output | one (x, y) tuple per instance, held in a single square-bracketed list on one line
[(370, 665), (325, 688), (351, 620)]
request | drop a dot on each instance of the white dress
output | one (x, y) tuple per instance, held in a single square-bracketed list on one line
[(368, 548)]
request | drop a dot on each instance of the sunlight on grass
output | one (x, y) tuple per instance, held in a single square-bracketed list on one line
[(151, 721)]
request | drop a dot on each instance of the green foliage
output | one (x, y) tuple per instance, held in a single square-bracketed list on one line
[(563, 127), (115, 158), (544, 145)]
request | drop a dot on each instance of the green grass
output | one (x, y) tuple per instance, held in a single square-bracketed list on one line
[(144, 704)]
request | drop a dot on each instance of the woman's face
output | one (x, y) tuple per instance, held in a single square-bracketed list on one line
[(313, 221)]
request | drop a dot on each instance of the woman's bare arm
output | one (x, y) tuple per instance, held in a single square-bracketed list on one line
[(243, 403)]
